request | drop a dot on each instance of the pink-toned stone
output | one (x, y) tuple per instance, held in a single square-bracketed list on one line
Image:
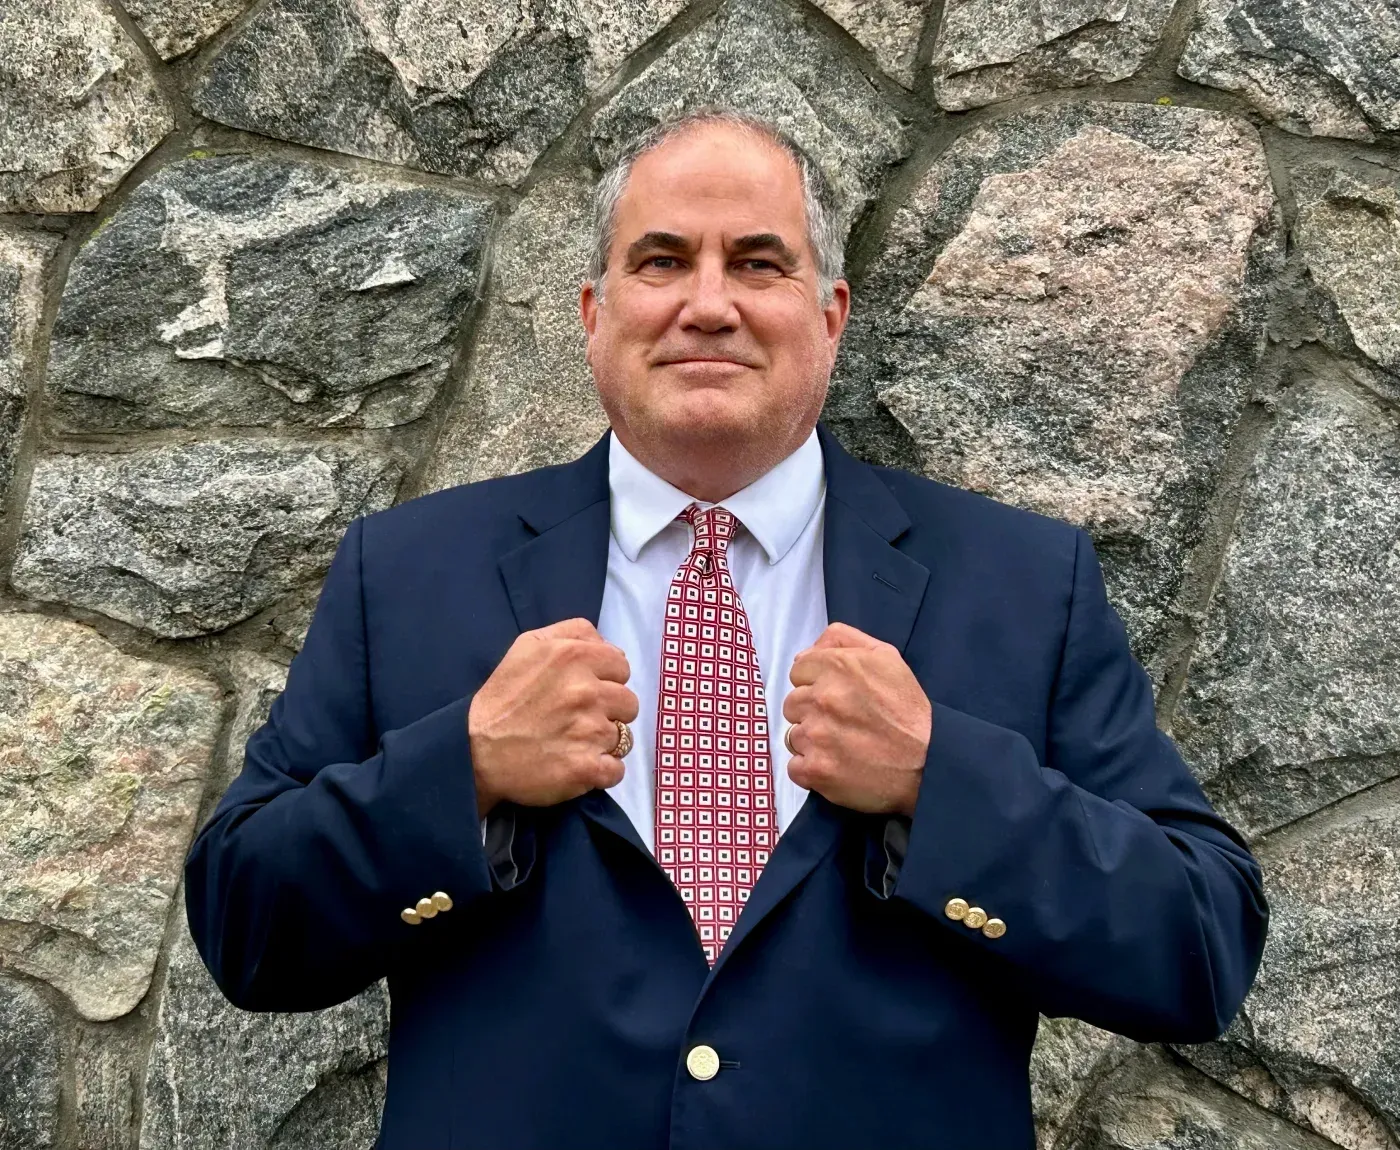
[(103, 759)]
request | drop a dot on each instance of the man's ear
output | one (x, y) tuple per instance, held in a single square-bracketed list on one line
[(588, 312)]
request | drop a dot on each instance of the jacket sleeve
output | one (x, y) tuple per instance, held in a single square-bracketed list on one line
[(295, 884), (1127, 901)]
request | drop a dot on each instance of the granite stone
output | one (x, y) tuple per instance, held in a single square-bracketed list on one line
[(189, 539), (763, 57), (991, 50), (81, 105), (24, 258), (29, 1068), (103, 759), (529, 397), (1065, 314), (888, 29), (236, 291), (1293, 697), (174, 27), (1316, 68), (475, 89)]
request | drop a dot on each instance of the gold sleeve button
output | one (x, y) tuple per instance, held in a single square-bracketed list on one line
[(974, 918), (441, 901), (956, 909), (994, 928), (426, 909), (410, 916)]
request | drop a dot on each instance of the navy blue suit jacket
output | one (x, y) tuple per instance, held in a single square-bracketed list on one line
[(553, 1009)]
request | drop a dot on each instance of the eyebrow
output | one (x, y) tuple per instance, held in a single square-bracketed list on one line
[(759, 241)]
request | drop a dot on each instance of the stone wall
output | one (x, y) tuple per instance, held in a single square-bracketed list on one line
[(267, 266)]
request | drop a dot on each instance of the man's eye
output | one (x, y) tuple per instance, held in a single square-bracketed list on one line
[(761, 264), (653, 261)]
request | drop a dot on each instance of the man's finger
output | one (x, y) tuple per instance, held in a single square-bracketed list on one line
[(844, 635), (576, 628)]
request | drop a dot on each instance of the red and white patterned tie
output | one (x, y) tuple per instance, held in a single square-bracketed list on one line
[(715, 818)]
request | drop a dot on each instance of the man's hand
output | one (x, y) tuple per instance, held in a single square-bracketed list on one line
[(541, 726), (861, 723)]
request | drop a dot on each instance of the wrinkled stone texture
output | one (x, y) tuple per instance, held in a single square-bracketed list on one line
[(1064, 317), (1293, 699), (238, 292), (1153, 1103), (1348, 230), (174, 27), (80, 105), (469, 89), (304, 1081), (1067, 1058), (1322, 68), (24, 255), (990, 50), (29, 1068), (529, 399), (105, 1084), (102, 762), (259, 681), (190, 539), (889, 29), (761, 57), (1325, 1009)]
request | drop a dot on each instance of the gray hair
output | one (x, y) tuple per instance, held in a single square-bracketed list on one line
[(824, 231)]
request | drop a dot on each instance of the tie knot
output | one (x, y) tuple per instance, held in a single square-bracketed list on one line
[(714, 526)]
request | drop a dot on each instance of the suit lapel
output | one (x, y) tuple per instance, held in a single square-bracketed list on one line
[(874, 587), (560, 574)]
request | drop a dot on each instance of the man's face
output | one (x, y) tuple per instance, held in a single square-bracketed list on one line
[(711, 334)]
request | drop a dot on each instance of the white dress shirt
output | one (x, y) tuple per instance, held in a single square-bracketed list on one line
[(775, 560)]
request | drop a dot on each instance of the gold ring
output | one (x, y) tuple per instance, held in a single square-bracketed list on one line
[(787, 741), (624, 740)]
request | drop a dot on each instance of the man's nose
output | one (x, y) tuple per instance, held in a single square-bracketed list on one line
[(709, 303)]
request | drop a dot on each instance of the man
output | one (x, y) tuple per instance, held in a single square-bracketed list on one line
[(804, 785)]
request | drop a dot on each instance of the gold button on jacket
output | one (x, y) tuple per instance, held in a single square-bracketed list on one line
[(994, 928), (956, 909), (702, 1062), (975, 917), (426, 908), (410, 916)]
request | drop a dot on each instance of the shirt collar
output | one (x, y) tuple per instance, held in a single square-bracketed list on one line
[(774, 508)]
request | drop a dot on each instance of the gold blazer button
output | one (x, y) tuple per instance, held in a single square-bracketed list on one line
[(956, 909), (974, 918)]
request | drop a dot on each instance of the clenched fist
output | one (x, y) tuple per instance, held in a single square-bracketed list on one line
[(542, 724)]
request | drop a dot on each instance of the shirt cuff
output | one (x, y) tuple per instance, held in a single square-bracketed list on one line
[(499, 840), (891, 843)]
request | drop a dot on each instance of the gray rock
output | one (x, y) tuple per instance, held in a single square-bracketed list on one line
[(175, 27), (1319, 1037), (1293, 697), (24, 257), (1065, 315), (1348, 231), (105, 1061), (1153, 1102), (890, 29), (1316, 68), (259, 681), (990, 50), (529, 399), (29, 1068), (240, 292), (477, 91), (306, 1081), (106, 757), (760, 56), (1069, 1056), (190, 539), (81, 105)]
